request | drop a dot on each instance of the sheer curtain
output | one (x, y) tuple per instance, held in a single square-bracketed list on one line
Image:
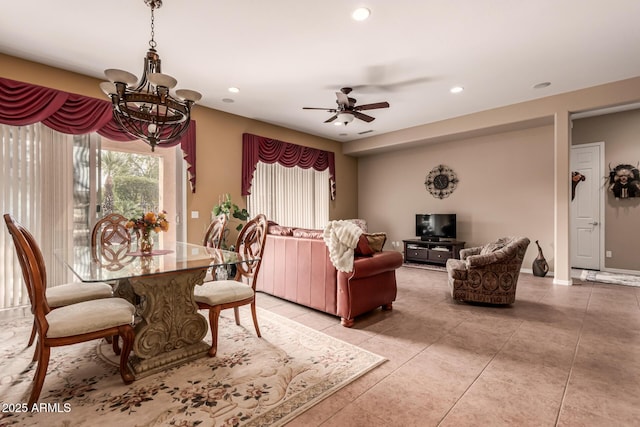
[(36, 187), (294, 196)]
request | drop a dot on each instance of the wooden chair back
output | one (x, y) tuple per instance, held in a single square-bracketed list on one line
[(215, 232), (111, 240), (250, 242), (33, 271)]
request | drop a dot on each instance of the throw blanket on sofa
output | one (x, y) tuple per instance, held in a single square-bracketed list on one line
[(341, 238)]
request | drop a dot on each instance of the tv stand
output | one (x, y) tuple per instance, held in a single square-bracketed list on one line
[(431, 252)]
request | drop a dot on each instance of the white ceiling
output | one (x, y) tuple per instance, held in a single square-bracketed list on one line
[(289, 54)]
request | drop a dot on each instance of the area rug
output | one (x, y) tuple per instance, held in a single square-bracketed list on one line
[(613, 278), (251, 382)]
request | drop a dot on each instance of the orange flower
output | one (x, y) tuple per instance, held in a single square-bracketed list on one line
[(150, 221)]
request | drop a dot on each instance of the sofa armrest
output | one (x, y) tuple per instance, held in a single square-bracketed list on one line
[(378, 263), (466, 253)]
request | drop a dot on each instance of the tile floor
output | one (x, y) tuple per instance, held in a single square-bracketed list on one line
[(560, 356)]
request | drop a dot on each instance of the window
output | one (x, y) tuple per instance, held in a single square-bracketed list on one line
[(51, 183), (293, 196)]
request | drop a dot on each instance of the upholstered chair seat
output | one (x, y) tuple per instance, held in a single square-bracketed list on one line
[(222, 292), (75, 292), (89, 316), (489, 273)]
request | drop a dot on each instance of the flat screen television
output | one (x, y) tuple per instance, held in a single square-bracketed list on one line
[(433, 227)]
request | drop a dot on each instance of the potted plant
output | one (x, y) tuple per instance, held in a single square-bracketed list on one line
[(233, 213)]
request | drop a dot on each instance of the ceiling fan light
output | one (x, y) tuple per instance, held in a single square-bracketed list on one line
[(344, 118)]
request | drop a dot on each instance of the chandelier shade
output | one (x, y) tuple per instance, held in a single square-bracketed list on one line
[(147, 108)]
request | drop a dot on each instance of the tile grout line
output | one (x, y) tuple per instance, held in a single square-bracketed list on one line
[(480, 373), (573, 360)]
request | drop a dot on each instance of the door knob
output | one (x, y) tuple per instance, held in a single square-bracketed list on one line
[(594, 223)]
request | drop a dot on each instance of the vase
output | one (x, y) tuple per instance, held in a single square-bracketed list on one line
[(145, 242), (540, 266)]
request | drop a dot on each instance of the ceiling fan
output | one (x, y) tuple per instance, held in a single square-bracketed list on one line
[(347, 108)]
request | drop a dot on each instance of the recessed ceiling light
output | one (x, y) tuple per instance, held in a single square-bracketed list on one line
[(456, 89), (542, 85), (227, 100), (361, 13), (234, 90)]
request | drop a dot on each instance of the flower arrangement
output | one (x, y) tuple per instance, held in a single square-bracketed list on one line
[(150, 221)]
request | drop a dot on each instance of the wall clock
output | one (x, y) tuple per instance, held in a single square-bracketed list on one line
[(441, 181)]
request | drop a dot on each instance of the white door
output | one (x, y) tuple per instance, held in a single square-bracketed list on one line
[(586, 206)]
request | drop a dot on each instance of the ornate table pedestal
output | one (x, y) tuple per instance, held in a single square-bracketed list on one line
[(170, 330)]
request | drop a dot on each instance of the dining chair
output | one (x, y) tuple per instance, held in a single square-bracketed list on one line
[(71, 324), (215, 232), (71, 293), (222, 294), (213, 239), (111, 241)]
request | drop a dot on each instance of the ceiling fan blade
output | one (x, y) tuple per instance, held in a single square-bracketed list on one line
[(342, 98), (364, 117), (331, 110), (372, 106), (330, 119)]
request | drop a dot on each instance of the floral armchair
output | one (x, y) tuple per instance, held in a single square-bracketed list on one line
[(489, 273)]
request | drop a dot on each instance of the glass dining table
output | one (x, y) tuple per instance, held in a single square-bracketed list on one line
[(169, 329)]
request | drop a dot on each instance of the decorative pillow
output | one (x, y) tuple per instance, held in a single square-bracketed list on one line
[(280, 230), (308, 233), (376, 240), (363, 248), (495, 246)]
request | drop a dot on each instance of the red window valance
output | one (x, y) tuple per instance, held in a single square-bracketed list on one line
[(24, 104), (258, 148)]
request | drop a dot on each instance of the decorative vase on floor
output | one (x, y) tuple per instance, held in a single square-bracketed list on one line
[(145, 242), (540, 266)]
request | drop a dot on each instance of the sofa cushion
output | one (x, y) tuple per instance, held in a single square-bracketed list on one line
[(363, 248), (308, 233), (376, 240), (280, 230)]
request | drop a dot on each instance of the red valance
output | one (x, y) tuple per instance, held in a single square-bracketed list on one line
[(257, 148), (24, 104)]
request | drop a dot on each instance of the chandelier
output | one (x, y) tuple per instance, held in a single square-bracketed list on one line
[(146, 109)]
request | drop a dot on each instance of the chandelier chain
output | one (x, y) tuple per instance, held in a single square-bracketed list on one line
[(152, 42)]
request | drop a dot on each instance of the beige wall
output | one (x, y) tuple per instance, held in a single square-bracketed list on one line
[(620, 133), (219, 149), (551, 111), (505, 188)]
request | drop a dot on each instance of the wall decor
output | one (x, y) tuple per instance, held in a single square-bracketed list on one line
[(624, 181), (441, 181), (576, 178)]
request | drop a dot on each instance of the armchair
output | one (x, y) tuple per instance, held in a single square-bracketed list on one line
[(489, 273)]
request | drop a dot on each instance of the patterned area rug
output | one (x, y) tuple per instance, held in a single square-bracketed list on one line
[(252, 382), (614, 278)]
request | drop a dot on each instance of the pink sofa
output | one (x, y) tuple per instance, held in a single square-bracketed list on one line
[(296, 267)]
